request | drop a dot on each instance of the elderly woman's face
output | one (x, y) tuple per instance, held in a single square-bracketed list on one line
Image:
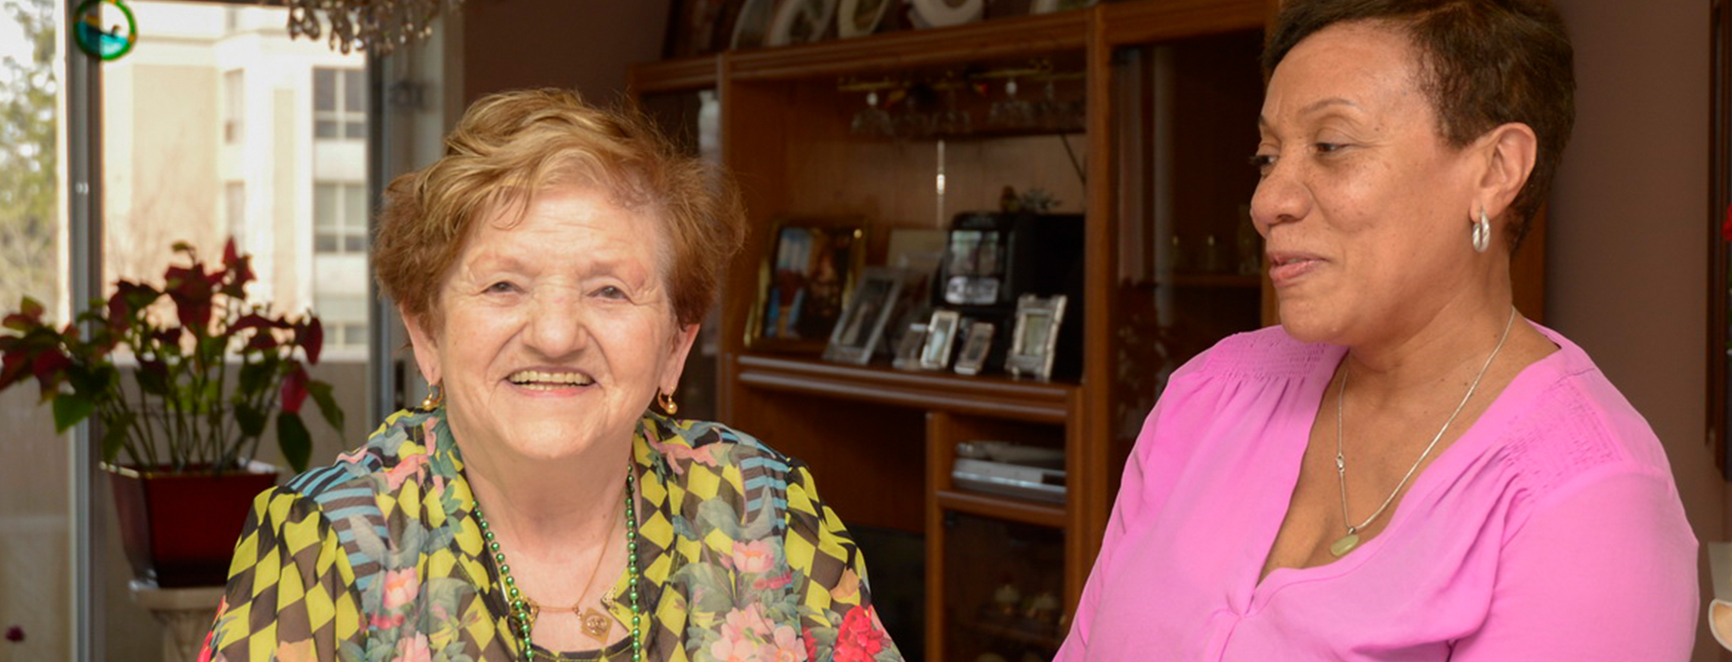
[(555, 331), (1365, 208)]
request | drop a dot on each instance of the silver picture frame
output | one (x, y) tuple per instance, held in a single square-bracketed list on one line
[(1036, 336), (975, 346), (913, 340), (870, 305), (940, 338)]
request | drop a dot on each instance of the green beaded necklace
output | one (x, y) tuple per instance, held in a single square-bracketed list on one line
[(520, 619)]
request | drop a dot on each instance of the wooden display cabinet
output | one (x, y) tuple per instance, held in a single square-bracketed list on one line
[(1158, 172)]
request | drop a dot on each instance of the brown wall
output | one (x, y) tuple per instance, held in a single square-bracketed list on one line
[(585, 44), (1627, 265)]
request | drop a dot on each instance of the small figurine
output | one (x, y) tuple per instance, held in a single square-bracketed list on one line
[(1043, 608), (1007, 598)]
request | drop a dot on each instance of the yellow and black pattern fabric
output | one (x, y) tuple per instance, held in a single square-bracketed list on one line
[(378, 557)]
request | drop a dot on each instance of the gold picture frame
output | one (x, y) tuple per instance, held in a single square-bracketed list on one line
[(806, 277)]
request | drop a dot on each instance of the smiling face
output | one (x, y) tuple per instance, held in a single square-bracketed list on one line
[(1365, 208), (553, 331)]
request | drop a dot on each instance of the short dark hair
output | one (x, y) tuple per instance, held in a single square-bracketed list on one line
[(1483, 63)]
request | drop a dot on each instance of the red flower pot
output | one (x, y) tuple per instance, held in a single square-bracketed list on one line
[(180, 529)]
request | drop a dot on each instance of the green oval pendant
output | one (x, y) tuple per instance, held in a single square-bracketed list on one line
[(1346, 544)]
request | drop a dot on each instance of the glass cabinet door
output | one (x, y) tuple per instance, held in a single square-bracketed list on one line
[(1190, 263)]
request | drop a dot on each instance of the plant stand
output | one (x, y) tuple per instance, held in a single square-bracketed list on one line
[(185, 614)]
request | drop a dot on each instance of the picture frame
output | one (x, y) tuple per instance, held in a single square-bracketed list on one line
[(752, 24), (858, 18), (801, 22), (804, 281), (908, 348), (1036, 337), (693, 27), (940, 339), (870, 305), (975, 347)]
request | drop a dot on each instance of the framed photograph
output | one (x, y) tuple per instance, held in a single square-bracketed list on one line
[(1031, 346), (752, 24), (806, 277), (908, 348), (871, 304), (858, 18), (975, 348), (692, 28), (940, 337), (801, 22)]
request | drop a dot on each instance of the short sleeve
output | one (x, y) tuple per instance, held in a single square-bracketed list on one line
[(1603, 571), (836, 612), (288, 595)]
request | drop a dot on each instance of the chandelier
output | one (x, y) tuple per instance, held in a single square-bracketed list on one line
[(375, 26)]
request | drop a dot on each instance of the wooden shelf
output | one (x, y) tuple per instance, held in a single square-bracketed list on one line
[(1005, 508), (990, 396), (682, 75)]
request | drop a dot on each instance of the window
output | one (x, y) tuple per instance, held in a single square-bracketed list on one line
[(339, 217), (344, 317), (234, 105), (235, 208), (339, 104)]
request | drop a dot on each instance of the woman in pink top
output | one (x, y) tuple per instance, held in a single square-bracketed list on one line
[(1405, 469)]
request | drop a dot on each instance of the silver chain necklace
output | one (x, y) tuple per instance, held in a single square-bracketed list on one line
[(1347, 543)]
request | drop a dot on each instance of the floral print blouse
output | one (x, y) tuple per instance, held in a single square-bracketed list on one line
[(378, 557)]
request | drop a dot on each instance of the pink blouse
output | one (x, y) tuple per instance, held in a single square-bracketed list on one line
[(1551, 530)]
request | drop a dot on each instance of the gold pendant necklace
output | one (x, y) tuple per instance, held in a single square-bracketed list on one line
[(522, 617), (1348, 542)]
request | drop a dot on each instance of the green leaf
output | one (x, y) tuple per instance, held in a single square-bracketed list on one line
[(292, 438), (152, 378), (86, 382), (69, 409), (255, 378), (251, 420), (114, 438), (328, 408)]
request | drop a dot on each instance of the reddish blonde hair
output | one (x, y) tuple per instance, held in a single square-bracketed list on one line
[(510, 145)]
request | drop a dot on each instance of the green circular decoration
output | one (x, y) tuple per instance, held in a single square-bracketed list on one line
[(93, 39)]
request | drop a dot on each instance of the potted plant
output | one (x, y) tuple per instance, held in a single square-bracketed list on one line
[(211, 371)]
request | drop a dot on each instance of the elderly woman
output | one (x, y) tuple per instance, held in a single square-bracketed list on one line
[(552, 269), (1405, 469)]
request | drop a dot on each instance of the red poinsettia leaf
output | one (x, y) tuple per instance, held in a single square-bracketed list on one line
[(295, 390), (119, 312), (250, 321), (49, 368), (262, 340), (311, 336), (168, 336), (190, 289), (14, 365), (237, 270), (1726, 227)]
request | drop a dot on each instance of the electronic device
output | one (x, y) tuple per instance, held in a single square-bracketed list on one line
[(1013, 480)]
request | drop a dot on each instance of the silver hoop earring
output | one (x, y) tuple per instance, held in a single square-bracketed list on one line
[(1481, 232)]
